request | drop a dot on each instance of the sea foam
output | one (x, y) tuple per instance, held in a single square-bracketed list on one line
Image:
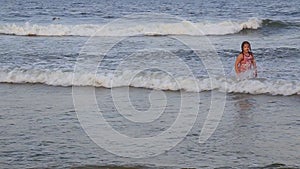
[(151, 29), (151, 80)]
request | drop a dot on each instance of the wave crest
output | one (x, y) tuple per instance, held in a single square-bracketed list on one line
[(152, 80), (182, 28)]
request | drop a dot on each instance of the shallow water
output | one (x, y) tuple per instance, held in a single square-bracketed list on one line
[(140, 63), (40, 129)]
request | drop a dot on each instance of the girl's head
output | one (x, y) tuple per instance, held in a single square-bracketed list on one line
[(246, 47)]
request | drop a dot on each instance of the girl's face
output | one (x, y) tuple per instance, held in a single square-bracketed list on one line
[(246, 48)]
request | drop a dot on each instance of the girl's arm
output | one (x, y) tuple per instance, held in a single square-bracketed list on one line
[(254, 66), (237, 62)]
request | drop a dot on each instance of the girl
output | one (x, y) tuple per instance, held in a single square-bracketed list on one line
[(245, 60)]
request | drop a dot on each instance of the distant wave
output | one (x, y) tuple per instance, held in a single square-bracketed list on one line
[(152, 81), (270, 166), (278, 24), (157, 29)]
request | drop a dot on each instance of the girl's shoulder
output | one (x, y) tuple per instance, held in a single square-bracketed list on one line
[(241, 55)]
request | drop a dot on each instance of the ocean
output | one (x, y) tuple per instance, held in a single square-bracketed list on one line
[(148, 84)]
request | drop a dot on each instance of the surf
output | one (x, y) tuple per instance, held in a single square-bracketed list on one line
[(150, 29), (153, 80)]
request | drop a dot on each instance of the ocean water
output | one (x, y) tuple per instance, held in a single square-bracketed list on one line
[(148, 84)]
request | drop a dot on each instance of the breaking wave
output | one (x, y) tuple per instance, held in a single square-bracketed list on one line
[(151, 29), (152, 80)]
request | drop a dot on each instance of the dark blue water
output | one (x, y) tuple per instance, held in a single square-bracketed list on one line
[(103, 11)]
